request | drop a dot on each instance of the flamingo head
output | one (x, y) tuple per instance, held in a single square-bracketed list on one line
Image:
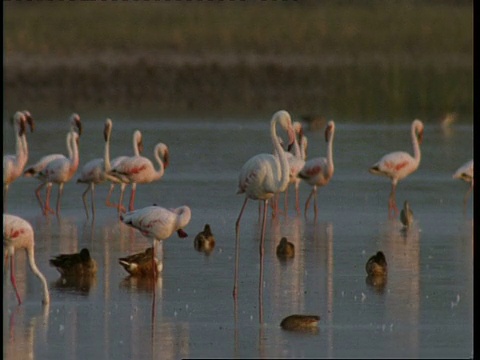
[(418, 126), (76, 123), (181, 233), (107, 129), (329, 130), (29, 119), (22, 128)]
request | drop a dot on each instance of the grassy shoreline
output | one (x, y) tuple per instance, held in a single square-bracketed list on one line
[(405, 59)]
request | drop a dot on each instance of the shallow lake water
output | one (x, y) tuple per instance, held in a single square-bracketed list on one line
[(425, 309)]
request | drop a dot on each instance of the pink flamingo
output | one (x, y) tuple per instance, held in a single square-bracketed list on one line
[(18, 234), (261, 177), (13, 164), (318, 171), (399, 164), (137, 150), (465, 173), (36, 169), (296, 157), (140, 170), (93, 172), (158, 224), (61, 170)]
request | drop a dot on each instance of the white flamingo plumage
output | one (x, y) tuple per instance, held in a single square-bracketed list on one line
[(13, 165), (93, 172), (319, 171), (36, 169), (137, 150), (140, 170), (296, 157), (61, 170), (465, 173), (260, 178), (399, 164), (158, 223), (18, 234)]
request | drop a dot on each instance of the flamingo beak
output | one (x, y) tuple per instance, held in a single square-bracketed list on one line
[(22, 129), (181, 233), (327, 132), (30, 121), (420, 136), (291, 137), (78, 124)]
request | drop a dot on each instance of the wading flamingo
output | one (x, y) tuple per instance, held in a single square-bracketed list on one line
[(318, 171), (296, 157), (158, 223), (60, 171), (261, 177), (93, 172), (137, 150), (140, 264), (140, 170), (399, 164), (35, 170), (13, 164), (465, 173), (76, 264), (18, 234)]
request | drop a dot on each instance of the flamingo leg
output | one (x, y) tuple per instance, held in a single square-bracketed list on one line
[(60, 192), (307, 203), (92, 185), (297, 197), (465, 199), (84, 200), (132, 196), (37, 194), (286, 200), (12, 279), (5, 190), (392, 204), (107, 201), (237, 248), (315, 206), (48, 209), (262, 252), (120, 202)]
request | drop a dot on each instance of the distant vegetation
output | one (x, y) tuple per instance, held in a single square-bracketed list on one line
[(351, 59)]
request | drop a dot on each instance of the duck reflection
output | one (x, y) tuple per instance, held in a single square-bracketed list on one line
[(144, 284), (81, 284)]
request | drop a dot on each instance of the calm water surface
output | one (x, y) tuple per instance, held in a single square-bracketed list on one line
[(425, 309)]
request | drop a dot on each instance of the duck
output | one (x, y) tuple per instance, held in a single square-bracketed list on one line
[(77, 264), (376, 265), (204, 241), (285, 249), (140, 264), (406, 215), (300, 322)]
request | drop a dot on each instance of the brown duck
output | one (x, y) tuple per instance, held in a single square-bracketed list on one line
[(77, 264)]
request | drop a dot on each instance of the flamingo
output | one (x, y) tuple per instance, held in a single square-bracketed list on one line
[(140, 264), (260, 178), (465, 173), (399, 164), (158, 223), (13, 164), (137, 150), (318, 171), (18, 234), (76, 264), (93, 172), (36, 169), (61, 170), (296, 160), (204, 241), (140, 170)]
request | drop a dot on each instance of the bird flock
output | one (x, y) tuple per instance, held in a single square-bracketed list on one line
[(263, 177)]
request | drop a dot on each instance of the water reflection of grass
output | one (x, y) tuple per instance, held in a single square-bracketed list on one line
[(368, 58)]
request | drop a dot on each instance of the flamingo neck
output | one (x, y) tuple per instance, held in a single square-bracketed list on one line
[(136, 141), (73, 152), (161, 168), (330, 166), (416, 145), (106, 153), (282, 183), (21, 151), (33, 266)]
